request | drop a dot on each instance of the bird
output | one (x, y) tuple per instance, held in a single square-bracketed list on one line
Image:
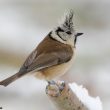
[(53, 56)]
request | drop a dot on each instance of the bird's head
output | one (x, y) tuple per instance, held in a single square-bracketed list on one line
[(65, 31)]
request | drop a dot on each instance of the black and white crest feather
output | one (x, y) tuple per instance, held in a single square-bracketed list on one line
[(68, 20)]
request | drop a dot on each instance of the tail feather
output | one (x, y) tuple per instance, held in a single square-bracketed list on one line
[(11, 79)]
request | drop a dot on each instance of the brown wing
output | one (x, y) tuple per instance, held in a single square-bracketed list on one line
[(49, 53)]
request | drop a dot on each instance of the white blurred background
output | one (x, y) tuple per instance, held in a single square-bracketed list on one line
[(24, 23)]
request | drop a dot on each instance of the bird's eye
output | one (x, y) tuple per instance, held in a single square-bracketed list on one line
[(68, 32)]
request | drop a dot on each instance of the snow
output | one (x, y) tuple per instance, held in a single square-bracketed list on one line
[(90, 102)]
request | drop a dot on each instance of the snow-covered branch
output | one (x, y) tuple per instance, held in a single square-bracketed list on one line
[(71, 97)]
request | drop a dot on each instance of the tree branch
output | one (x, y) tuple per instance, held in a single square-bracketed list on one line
[(63, 97)]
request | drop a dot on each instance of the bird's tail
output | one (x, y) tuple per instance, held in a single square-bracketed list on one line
[(11, 79)]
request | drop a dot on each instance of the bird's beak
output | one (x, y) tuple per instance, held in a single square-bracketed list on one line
[(79, 34)]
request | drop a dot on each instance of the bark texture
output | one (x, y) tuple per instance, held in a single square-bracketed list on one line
[(63, 97)]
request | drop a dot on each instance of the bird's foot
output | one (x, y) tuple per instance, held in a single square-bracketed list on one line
[(55, 88)]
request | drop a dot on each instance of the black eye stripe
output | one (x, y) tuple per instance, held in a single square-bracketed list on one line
[(57, 32), (68, 32), (59, 29)]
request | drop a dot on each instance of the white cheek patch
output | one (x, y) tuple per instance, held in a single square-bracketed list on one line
[(64, 36), (70, 40), (55, 36)]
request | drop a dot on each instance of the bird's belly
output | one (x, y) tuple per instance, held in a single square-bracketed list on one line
[(55, 71)]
